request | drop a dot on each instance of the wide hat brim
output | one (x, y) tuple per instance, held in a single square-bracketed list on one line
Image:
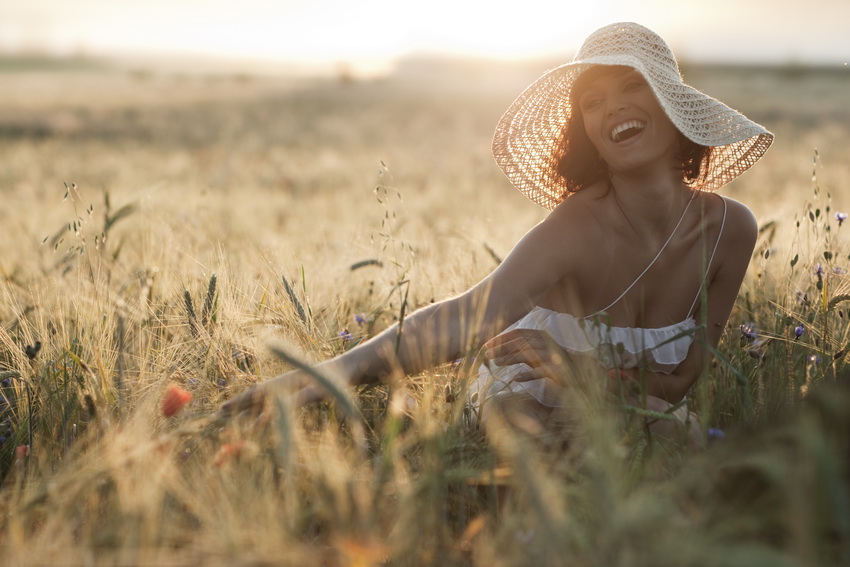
[(529, 132)]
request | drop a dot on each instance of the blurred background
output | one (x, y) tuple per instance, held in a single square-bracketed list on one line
[(371, 36)]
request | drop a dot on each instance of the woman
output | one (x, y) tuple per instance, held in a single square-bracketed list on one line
[(636, 268)]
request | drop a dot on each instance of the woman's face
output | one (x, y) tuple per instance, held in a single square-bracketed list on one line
[(624, 121)]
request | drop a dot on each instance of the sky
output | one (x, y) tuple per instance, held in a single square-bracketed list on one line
[(373, 33)]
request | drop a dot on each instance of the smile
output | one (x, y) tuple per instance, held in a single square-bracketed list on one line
[(626, 130)]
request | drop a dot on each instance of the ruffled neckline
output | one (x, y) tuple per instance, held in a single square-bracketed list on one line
[(660, 349)]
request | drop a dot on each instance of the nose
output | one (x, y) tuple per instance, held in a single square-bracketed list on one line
[(615, 104), (615, 100)]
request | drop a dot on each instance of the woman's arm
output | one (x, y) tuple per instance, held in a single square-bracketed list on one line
[(440, 332)]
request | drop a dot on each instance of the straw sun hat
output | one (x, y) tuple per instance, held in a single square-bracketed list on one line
[(531, 129)]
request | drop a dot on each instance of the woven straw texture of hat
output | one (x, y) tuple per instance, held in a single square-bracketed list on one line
[(533, 126)]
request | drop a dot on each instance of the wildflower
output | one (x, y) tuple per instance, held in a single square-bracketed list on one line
[(748, 332), (174, 400), (840, 217), (5, 383), (361, 319), (838, 271), (345, 335), (798, 331), (819, 271), (714, 433), (802, 298), (813, 359)]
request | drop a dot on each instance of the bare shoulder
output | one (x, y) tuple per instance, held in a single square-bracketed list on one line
[(741, 228), (580, 213), (737, 241), (555, 243)]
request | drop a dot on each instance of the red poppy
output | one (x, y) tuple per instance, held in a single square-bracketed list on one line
[(174, 400)]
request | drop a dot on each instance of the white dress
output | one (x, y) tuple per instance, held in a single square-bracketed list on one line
[(657, 349)]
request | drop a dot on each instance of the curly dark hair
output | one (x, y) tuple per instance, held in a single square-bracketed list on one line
[(578, 162)]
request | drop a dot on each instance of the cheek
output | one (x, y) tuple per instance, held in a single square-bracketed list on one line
[(591, 130)]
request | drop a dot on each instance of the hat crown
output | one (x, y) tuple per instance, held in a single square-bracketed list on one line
[(615, 41)]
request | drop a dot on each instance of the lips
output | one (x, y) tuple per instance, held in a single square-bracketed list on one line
[(626, 130)]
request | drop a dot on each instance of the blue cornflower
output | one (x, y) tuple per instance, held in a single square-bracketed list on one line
[(840, 217), (838, 271), (748, 332), (715, 433), (819, 270), (345, 335), (798, 331), (361, 319)]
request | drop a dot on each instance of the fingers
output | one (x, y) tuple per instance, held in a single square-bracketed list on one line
[(618, 374), (253, 399), (533, 357), (532, 374), (525, 346), (511, 344), (514, 335), (256, 399)]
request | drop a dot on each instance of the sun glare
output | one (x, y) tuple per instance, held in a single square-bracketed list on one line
[(330, 31), (508, 30), (374, 33)]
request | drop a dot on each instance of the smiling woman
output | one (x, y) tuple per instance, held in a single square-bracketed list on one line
[(633, 274), (579, 162)]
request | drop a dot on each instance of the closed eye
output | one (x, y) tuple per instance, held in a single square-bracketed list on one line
[(590, 102)]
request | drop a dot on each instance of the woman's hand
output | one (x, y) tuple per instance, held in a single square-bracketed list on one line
[(535, 348), (295, 385)]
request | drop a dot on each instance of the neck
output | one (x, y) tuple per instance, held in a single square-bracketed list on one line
[(651, 203)]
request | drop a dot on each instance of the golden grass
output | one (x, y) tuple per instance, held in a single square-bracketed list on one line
[(253, 180)]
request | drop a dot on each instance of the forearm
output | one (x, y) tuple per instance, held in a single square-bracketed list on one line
[(428, 337), (671, 387)]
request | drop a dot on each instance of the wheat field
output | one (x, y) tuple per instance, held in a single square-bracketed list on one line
[(167, 233)]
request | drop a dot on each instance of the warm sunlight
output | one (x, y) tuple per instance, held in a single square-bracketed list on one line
[(374, 33), (308, 32)]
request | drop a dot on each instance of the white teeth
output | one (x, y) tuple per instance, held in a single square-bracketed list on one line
[(620, 128)]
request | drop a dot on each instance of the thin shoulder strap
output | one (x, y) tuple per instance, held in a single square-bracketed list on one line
[(663, 247), (710, 259)]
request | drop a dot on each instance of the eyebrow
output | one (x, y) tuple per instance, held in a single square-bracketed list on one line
[(585, 82), (587, 78)]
